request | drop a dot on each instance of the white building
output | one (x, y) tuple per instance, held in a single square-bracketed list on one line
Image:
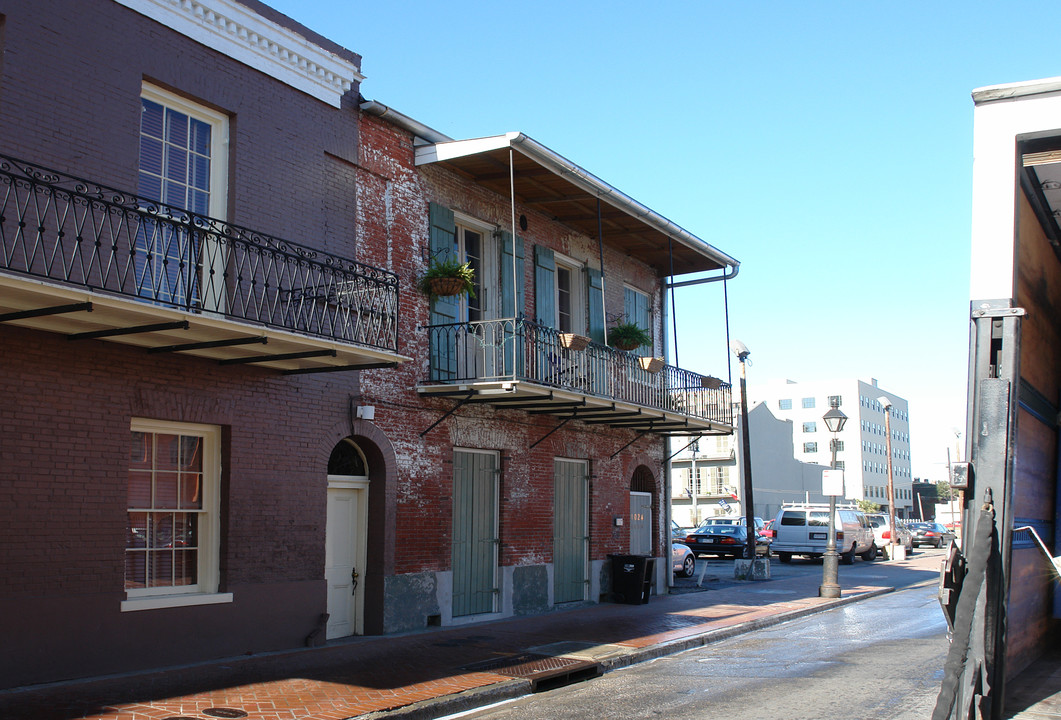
[(712, 460), (862, 450)]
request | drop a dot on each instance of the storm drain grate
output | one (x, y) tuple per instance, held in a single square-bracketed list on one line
[(543, 671), (221, 712)]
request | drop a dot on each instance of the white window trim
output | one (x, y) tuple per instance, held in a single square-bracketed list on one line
[(205, 591), (579, 305), (218, 123), (491, 260)]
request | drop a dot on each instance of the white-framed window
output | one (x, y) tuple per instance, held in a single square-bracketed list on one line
[(570, 288), (784, 404), (808, 403), (474, 243), (809, 427), (184, 164), (173, 523)]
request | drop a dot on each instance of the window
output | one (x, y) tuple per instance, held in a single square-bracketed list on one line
[(808, 403), (785, 404), (570, 302), (638, 310), (810, 447), (171, 554), (182, 164), (473, 244), (809, 427)]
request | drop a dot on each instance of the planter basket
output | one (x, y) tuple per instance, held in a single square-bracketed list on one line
[(711, 383), (626, 345), (446, 286), (572, 341), (651, 364)]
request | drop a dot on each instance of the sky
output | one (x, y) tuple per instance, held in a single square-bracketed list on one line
[(826, 145)]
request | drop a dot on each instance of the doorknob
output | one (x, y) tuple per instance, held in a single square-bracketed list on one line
[(353, 580)]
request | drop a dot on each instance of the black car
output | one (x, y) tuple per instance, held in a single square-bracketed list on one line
[(926, 533), (724, 540)]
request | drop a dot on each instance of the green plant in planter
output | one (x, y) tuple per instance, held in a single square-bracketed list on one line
[(628, 336), (445, 278)]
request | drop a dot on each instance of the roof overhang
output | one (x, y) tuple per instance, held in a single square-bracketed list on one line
[(558, 188), (85, 315)]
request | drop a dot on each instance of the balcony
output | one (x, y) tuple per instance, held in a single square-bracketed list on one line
[(519, 364), (93, 262)]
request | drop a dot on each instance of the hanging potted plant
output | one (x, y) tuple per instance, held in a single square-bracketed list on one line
[(446, 278), (651, 364), (628, 336), (573, 341)]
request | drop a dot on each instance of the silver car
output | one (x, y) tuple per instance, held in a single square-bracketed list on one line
[(882, 536), (683, 562)]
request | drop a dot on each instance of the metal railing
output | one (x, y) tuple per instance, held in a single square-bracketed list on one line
[(520, 349), (78, 232)]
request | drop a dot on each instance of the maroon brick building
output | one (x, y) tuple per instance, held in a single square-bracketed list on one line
[(231, 423)]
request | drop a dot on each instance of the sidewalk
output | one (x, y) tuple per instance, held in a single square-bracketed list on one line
[(433, 673)]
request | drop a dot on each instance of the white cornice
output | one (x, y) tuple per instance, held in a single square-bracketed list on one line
[(236, 31)]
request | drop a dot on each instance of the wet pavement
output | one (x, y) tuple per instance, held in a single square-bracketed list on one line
[(444, 670)]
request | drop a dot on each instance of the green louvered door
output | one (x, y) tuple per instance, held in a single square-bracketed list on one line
[(570, 530), (474, 532)]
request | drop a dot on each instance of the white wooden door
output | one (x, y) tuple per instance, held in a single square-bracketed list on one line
[(640, 523), (344, 556)]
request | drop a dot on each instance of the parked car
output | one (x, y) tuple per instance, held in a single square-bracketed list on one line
[(882, 534), (768, 529), (803, 529), (926, 533), (724, 539), (683, 560), (677, 532), (734, 520)]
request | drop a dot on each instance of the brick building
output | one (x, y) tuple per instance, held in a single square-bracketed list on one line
[(230, 422), (523, 462)]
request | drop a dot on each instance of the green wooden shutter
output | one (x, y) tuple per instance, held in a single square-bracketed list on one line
[(544, 286), (513, 334), (443, 348), (474, 533), (595, 304)]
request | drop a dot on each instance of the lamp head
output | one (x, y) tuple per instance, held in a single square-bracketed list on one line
[(885, 401), (740, 350), (834, 418)]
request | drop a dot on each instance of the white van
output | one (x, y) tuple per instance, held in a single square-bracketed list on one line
[(803, 529)]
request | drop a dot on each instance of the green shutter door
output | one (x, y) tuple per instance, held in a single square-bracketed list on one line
[(512, 289), (544, 286), (474, 533), (443, 350), (570, 531), (595, 304)]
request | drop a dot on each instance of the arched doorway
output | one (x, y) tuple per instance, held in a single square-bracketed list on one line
[(346, 539), (642, 494)]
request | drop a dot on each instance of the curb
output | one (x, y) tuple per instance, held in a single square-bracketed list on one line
[(516, 688)]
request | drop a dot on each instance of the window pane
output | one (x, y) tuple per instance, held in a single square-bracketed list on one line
[(150, 118), (165, 490), (135, 569), (137, 530), (199, 177), (176, 164), (151, 156), (167, 453), (160, 568), (150, 187), (199, 140), (139, 492), (185, 568), (176, 128), (191, 496)]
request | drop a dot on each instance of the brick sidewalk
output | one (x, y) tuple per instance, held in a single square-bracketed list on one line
[(436, 672)]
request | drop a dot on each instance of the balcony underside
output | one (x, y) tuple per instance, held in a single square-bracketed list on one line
[(538, 399), (83, 315)]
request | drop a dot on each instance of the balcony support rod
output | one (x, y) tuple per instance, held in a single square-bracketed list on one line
[(339, 368), (637, 437), (563, 422), (42, 312), (276, 358), (455, 408), (696, 438), (176, 325), (211, 344)]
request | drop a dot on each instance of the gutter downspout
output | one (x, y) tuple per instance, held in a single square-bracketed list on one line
[(417, 128)]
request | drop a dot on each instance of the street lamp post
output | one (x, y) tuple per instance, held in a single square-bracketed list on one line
[(883, 400), (830, 587), (742, 352)]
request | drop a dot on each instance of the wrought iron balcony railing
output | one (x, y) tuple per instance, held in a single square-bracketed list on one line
[(521, 350), (81, 233)]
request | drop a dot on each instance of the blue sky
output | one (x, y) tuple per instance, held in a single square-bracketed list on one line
[(825, 145)]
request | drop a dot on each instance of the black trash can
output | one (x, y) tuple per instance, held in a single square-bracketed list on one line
[(632, 578)]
